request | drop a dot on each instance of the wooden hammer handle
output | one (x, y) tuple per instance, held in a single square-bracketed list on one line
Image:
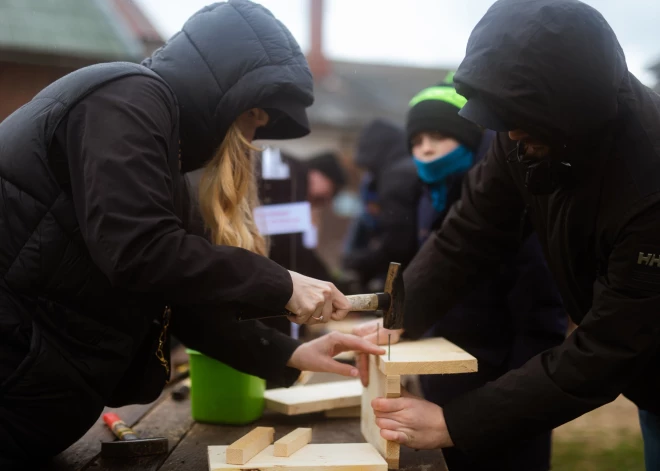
[(363, 302), (368, 302)]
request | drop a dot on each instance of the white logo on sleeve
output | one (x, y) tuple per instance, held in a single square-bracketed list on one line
[(648, 259)]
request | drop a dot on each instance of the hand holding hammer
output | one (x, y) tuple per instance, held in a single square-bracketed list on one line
[(389, 302)]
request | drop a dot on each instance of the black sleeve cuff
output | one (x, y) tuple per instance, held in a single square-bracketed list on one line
[(283, 348), (247, 346)]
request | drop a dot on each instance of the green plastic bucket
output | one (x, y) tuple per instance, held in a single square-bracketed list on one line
[(219, 394)]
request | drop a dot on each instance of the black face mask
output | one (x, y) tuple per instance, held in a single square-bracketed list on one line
[(542, 175)]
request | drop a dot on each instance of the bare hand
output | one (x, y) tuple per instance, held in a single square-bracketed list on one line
[(369, 331), (317, 355), (412, 421), (315, 301)]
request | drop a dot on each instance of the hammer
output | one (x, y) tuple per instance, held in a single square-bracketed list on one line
[(389, 302), (129, 445)]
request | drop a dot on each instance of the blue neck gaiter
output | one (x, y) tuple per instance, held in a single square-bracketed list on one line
[(435, 173)]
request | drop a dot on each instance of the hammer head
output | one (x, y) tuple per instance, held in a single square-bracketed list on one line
[(132, 448), (393, 317)]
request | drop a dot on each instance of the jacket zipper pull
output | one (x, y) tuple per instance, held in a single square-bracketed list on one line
[(160, 354)]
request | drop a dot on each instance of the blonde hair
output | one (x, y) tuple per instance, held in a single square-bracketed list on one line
[(228, 194)]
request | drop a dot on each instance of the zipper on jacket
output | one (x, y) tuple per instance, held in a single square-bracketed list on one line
[(161, 340)]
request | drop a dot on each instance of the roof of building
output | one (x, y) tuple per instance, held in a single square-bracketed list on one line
[(87, 29), (355, 93), (137, 21)]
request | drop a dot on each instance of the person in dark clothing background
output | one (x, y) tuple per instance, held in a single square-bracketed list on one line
[(101, 255), (578, 152), (504, 320), (317, 180), (380, 146), (326, 177)]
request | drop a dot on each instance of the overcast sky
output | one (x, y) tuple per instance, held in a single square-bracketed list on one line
[(421, 32)]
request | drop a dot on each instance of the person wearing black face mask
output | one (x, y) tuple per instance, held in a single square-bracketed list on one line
[(504, 320), (552, 77), (543, 171)]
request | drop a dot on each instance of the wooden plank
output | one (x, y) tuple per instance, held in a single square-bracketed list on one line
[(314, 397), (380, 385), (246, 447), (335, 457), (427, 357), (344, 412), (344, 326), (289, 444), (346, 357), (188, 455)]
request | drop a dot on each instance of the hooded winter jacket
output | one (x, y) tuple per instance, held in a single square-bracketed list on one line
[(555, 68), (381, 146), (97, 250)]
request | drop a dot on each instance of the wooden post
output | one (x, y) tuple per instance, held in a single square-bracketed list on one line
[(380, 385), (293, 442), (246, 447), (428, 356)]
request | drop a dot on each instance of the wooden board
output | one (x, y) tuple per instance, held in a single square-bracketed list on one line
[(335, 457), (191, 455), (380, 385), (314, 397), (294, 441), (345, 356), (246, 447), (344, 326), (343, 412), (427, 357)]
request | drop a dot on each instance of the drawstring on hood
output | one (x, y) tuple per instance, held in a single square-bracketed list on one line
[(228, 58)]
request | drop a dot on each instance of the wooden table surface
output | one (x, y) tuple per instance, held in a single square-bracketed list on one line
[(189, 440)]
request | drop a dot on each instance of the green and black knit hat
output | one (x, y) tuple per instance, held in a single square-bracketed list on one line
[(436, 109)]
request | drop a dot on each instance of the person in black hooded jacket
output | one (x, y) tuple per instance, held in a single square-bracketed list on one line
[(393, 239), (100, 258), (504, 320), (578, 159)]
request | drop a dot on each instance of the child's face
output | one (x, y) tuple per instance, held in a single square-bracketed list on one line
[(429, 146)]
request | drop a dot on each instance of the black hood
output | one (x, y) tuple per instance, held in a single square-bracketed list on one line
[(230, 57), (380, 144), (550, 67)]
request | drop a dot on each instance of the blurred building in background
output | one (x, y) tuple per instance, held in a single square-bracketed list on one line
[(43, 40), (347, 96)]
